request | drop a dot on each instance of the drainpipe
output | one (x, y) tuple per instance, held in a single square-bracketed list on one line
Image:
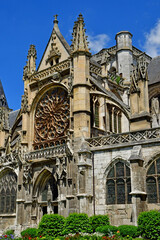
[(93, 185)]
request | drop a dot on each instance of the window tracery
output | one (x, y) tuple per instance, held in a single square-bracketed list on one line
[(51, 119), (8, 190), (118, 185), (153, 182)]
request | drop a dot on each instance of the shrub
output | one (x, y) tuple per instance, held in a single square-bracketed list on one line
[(29, 233), (149, 224), (107, 230), (51, 225), (9, 232), (98, 221), (77, 222), (130, 230)]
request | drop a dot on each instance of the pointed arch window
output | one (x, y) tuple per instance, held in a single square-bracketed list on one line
[(118, 184), (8, 190), (153, 182)]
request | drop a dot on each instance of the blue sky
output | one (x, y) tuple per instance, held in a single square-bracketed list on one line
[(30, 22)]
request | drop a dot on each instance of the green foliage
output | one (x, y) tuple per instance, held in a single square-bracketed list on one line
[(129, 230), (29, 232), (98, 221), (118, 79), (9, 232), (107, 230), (149, 224), (77, 222), (51, 225)]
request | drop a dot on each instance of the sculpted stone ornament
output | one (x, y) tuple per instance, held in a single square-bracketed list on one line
[(51, 118), (134, 80), (142, 68), (24, 102), (27, 174)]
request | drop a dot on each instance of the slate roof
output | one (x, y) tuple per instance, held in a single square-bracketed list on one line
[(154, 70), (12, 117)]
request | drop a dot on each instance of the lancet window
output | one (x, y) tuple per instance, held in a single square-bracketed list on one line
[(114, 119), (51, 119), (8, 192), (153, 182), (118, 184)]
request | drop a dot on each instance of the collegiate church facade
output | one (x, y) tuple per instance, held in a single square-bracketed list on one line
[(87, 136)]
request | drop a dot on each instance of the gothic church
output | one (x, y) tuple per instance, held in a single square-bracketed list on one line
[(87, 136)]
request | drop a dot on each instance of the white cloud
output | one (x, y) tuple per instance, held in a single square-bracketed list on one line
[(96, 43), (152, 43)]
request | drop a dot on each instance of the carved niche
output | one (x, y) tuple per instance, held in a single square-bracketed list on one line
[(51, 119)]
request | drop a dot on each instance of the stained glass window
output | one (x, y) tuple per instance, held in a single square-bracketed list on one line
[(120, 191), (110, 192), (153, 182), (118, 185), (151, 190), (8, 189)]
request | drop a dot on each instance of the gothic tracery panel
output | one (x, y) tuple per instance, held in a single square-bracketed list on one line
[(51, 118), (8, 189)]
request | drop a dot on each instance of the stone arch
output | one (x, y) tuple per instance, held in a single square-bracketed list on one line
[(151, 160), (114, 161), (42, 179)]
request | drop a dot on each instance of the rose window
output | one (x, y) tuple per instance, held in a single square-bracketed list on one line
[(51, 119)]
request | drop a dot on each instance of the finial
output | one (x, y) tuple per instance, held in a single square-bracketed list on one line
[(55, 19), (80, 18)]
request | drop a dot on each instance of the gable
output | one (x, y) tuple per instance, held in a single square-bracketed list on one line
[(57, 48)]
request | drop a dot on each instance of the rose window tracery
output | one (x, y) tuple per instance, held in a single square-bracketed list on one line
[(51, 118)]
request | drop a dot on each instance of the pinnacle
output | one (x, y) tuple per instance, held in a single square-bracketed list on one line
[(79, 41), (80, 18), (55, 19)]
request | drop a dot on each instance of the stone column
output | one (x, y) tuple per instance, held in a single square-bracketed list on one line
[(85, 180), (137, 183)]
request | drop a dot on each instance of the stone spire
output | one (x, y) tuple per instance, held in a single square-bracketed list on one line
[(3, 100), (79, 41)]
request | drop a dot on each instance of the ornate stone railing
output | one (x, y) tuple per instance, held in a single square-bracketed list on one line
[(9, 158), (95, 69), (124, 138), (62, 66), (46, 153)]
